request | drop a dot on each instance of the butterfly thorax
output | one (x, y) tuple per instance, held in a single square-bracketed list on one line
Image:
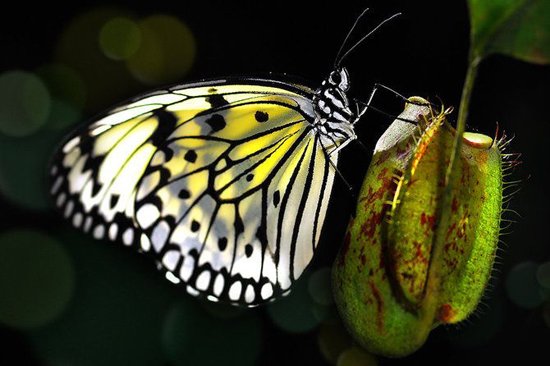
[(334, 117)]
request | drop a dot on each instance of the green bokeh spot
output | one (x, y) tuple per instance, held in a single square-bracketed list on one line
[(105, 81), (23, 168), (24, 103), (297, 312), (333, 339), (319, 287), (522, 286), (355, 356), (119, 38), (116, 313), (166, 53), (63, 114), (64, 83), (36, 279)]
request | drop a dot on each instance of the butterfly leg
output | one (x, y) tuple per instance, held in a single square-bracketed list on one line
[(340, 147), (366, 106)]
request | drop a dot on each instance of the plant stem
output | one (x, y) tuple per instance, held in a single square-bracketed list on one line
[(432, 297), (462, 115)]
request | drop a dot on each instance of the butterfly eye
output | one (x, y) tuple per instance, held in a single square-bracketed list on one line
[(335, 78)]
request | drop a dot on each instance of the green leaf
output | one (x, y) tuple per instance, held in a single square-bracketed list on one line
[(517, 28)]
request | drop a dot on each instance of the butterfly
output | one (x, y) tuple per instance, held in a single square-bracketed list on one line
[(225, 182)]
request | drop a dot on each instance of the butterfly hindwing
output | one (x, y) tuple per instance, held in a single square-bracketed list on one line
[(225, 184)]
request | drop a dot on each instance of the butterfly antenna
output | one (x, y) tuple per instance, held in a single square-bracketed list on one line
[(402, 97), (336, 60), (337, 63), (370, 106)]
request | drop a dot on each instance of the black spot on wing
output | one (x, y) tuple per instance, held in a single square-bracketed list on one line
[(222, 243), (216, 122), (276, 198), (248, 249), (261, 116), (114, 200), (216, 100), (167, 123), (190, 156), (184, 194), (164, 176), (239, 225), (96, 187), (168, 154), (195, 226)]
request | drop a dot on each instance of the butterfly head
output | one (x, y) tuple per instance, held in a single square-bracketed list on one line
[(333, 110), (339, 78)]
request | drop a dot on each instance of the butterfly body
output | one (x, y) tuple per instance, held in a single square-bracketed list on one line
[(226, 183)]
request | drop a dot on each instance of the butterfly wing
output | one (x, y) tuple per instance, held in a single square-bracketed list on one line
[(226, 184)]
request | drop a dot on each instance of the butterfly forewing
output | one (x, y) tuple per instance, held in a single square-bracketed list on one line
[(226, 184)]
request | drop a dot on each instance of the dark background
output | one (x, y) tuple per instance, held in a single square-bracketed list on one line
[(120, 302)]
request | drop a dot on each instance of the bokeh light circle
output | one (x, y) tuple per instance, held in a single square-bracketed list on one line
[(64, 83), (24, 103), (355, 356), (166, 53), (119, 38), (23, 168), (319, 286), (106, 81), (333, 339), (116, 314), (191, 336), (63, 114), (297, 312), (36, 279), (68, 95), (522, 286)]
